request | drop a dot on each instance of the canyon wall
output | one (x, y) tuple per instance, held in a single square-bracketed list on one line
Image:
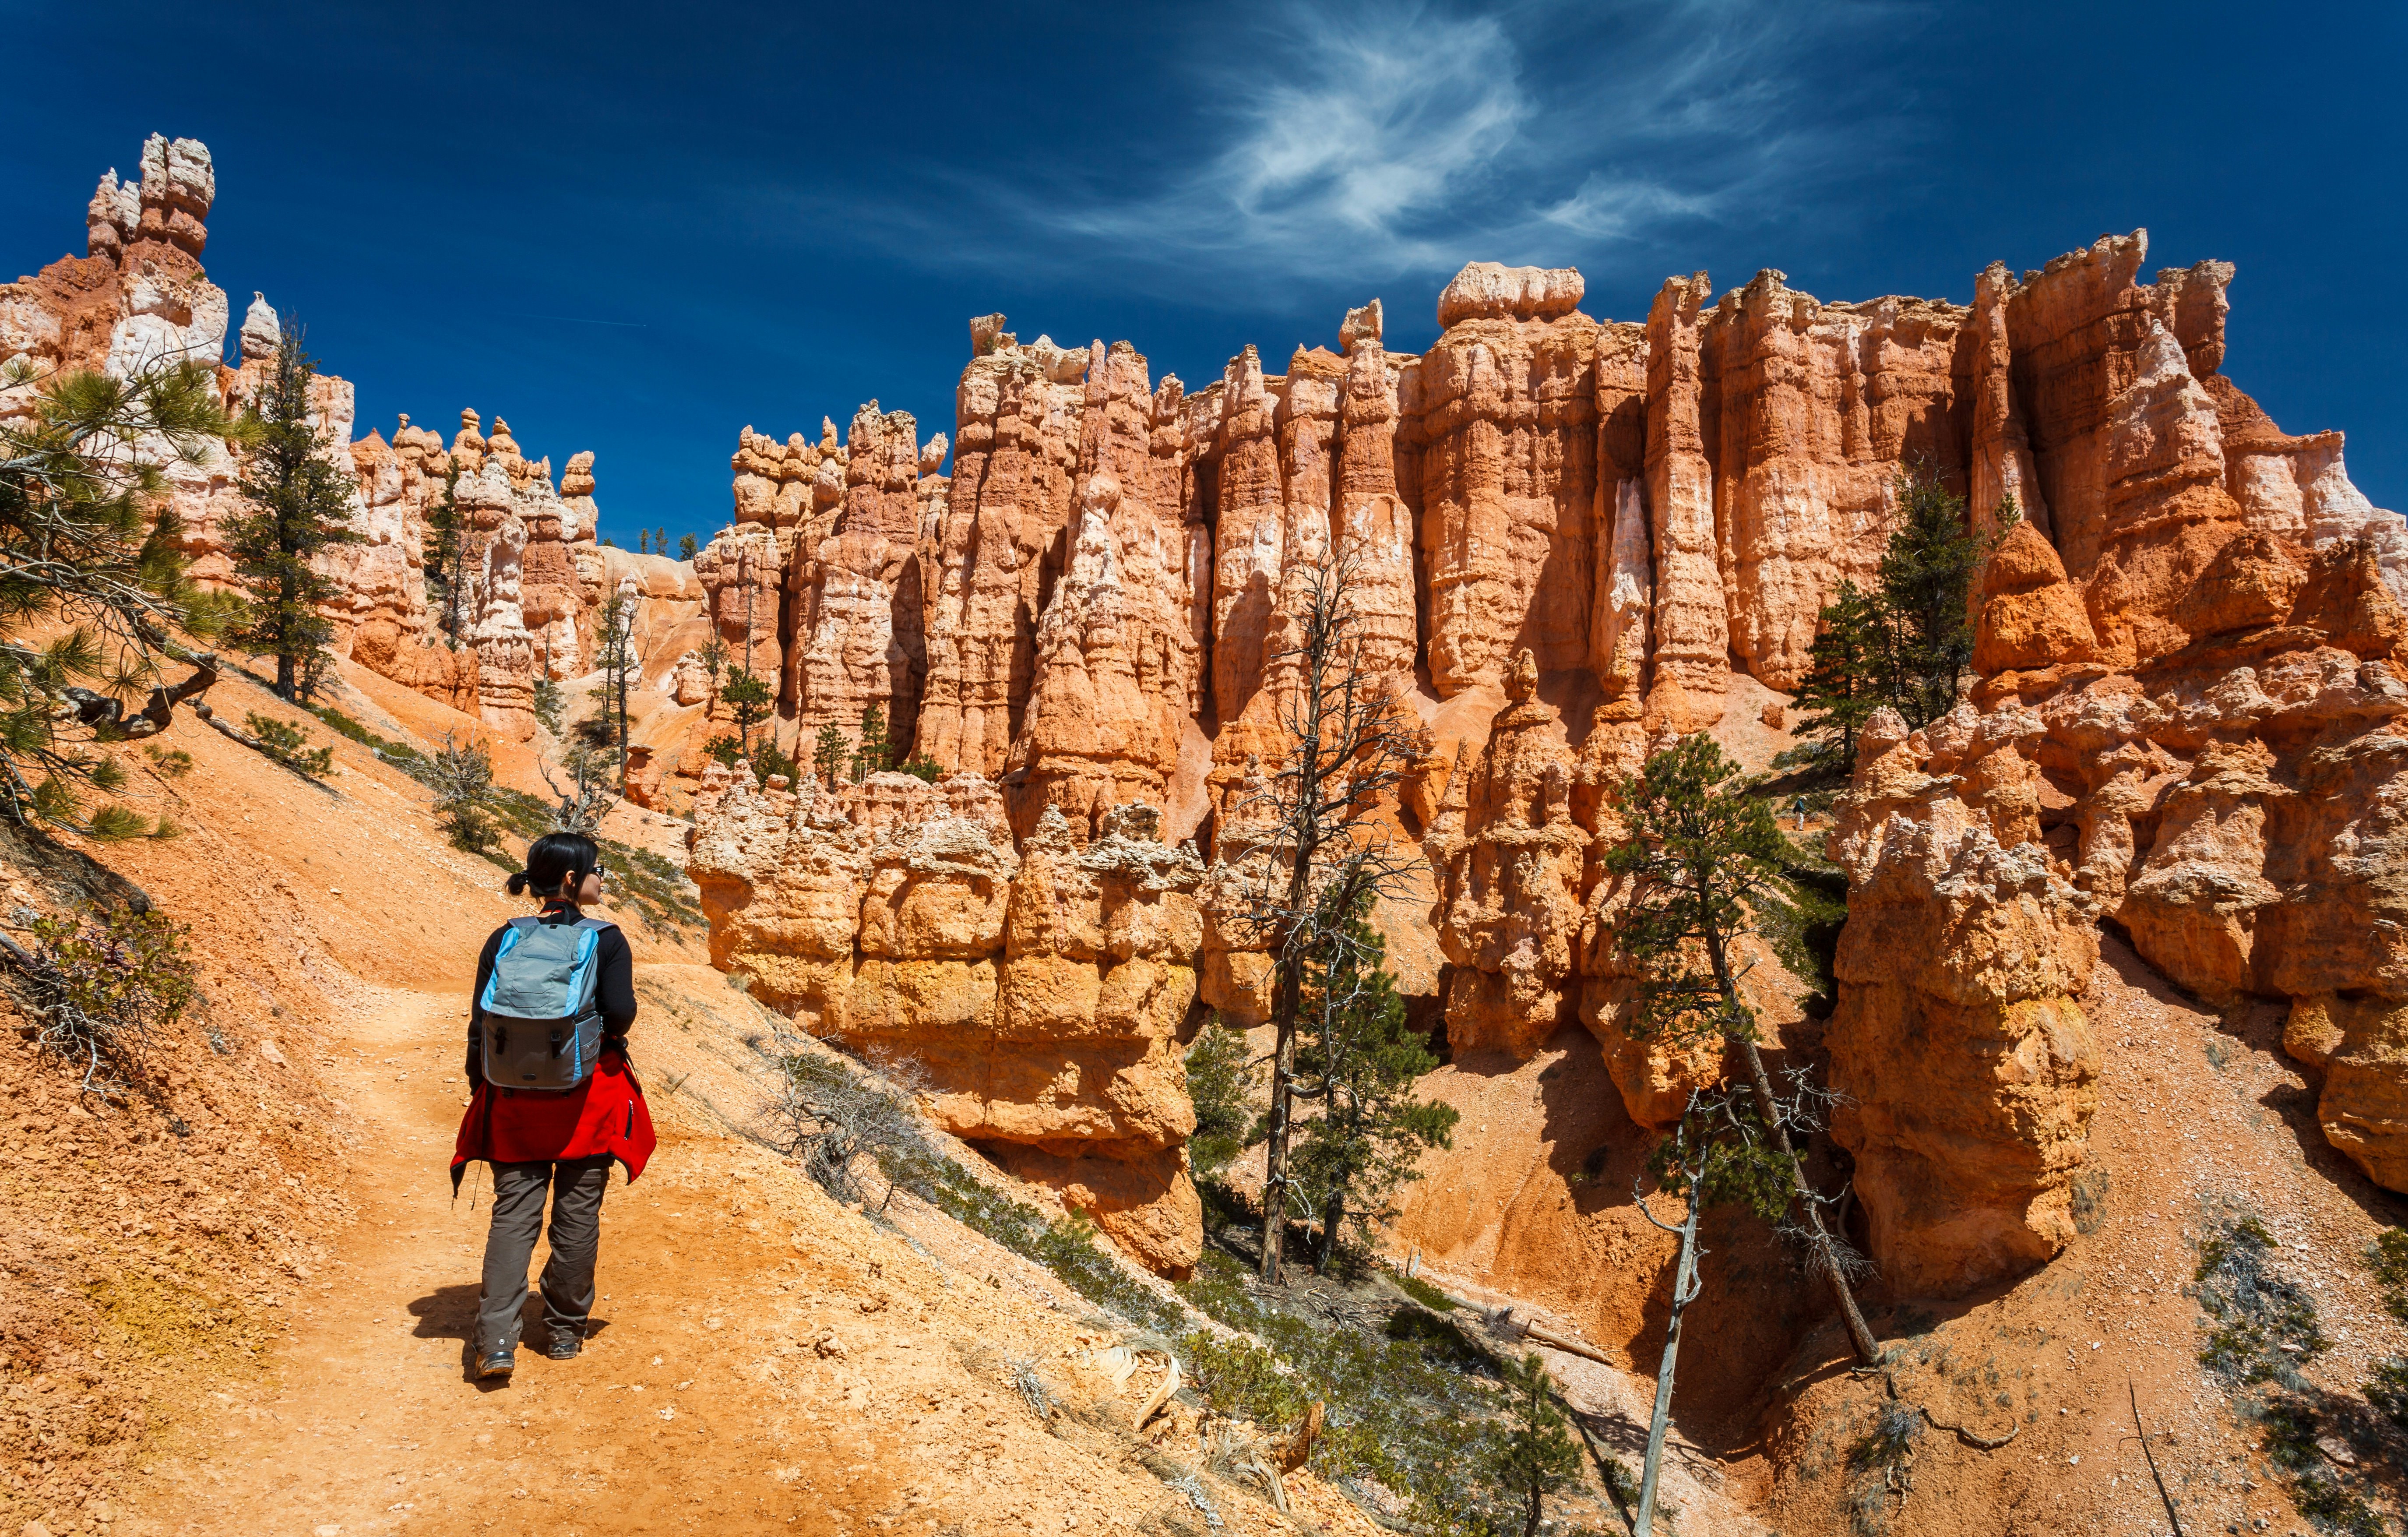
[(1573, 541)]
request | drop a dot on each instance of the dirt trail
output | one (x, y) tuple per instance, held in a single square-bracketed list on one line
[(372, 1425)]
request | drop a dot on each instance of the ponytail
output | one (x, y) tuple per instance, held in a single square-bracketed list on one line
[(554, 861)]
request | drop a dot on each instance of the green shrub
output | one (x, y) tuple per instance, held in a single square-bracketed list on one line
[(1240, 1378), (2387, 1257), (288, 744), (1427, 1295), (2389, 1390), (2263, 1326), (104, 983)]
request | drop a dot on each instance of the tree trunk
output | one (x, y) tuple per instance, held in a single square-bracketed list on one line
[(1287, 1002), (1530, 1522), (1282, 1107), (1333, 1217), (1685, 1291), (1760, 1083)]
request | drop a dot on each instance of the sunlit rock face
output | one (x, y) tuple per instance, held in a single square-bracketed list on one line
[(1572, 540), (1044, 990)]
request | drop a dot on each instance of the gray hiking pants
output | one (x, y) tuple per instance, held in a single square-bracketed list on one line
[(576, 1186)]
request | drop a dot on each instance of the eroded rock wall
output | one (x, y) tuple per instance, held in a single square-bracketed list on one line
[(1045, 989), (1572, 540)]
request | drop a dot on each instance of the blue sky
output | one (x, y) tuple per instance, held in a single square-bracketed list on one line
[(636, 229)]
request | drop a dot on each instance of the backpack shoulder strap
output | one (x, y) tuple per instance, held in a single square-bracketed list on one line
[(596, 925), (513, 931)]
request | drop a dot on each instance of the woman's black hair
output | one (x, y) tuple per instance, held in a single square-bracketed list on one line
[(553, 860)]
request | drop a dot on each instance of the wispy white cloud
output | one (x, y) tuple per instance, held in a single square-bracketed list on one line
[(1342, 141)]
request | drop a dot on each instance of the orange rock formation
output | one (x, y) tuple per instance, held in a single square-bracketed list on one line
[(1596, 525)]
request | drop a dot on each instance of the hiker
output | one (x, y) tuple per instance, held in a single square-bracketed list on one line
[(553, 1099)]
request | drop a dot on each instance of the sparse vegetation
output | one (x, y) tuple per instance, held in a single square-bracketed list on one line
[(169, 762), (100, 985), (838, 1119), (1427, 1295), (2386, 1259), (2262, 1326), (1883, 1460), (288, 744), (460, 774)]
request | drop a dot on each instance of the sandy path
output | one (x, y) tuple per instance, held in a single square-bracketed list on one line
[(371, 1425)]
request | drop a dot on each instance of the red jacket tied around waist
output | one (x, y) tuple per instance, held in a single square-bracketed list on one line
[(605, 1115)]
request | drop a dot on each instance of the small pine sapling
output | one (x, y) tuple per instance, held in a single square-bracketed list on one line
[(1221, 1079), (828, 754), (1539, 1456), (289, 745)]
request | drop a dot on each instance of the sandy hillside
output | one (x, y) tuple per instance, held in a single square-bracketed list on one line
[(240, 1302)]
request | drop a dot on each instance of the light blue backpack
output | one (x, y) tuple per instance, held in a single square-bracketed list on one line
[(542, 1031)]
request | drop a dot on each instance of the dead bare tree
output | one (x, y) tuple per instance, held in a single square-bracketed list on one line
[(832, 1113), (1313, 831)]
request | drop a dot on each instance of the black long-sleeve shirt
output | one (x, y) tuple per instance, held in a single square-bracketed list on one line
[(614, 985)]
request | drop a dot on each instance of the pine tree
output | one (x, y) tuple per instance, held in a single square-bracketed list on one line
[(89, 555), (1926, 580), (1221, 1079), (445, 552), (828, 756), (747, 698), (872, 753), (1701, 858), (1850, 675), (616, 660), (1360, 1059), (685, 547), (300, 502), (1321, 843), (643, 542), (1539, 1456), (1906, 643)]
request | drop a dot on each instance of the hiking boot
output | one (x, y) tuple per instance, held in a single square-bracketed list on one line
[(494, 1364), (564, 1344)]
